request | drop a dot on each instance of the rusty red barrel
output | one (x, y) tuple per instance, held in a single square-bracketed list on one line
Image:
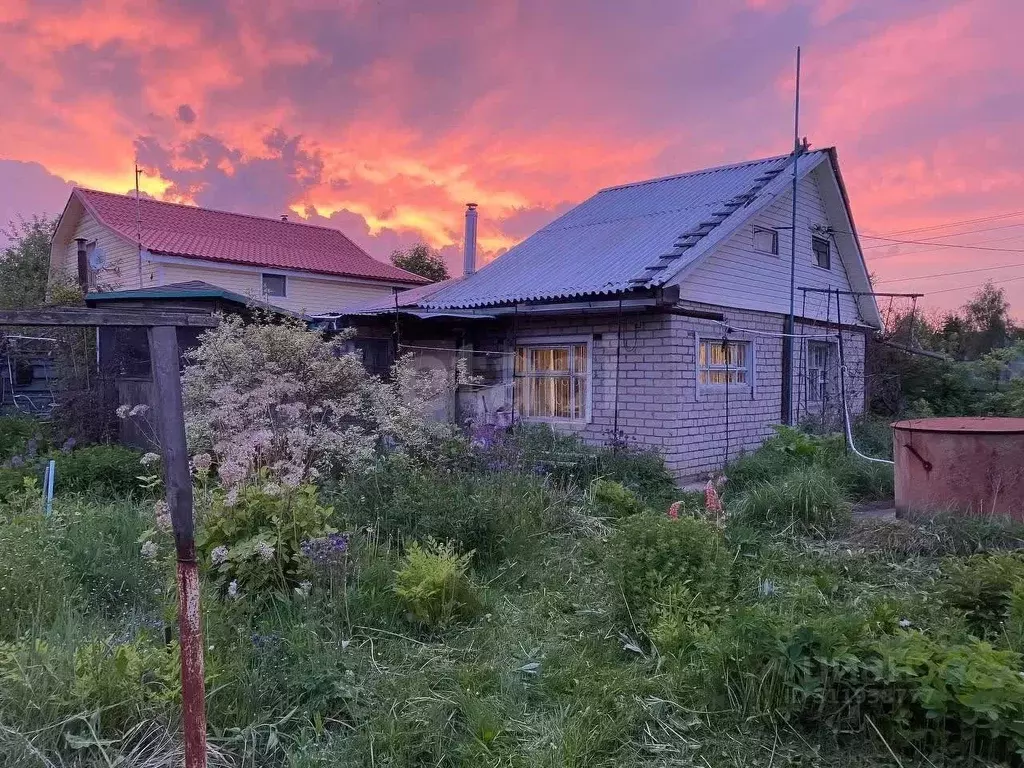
[(964, 465)]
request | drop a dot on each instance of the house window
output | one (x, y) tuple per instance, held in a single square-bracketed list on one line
[(819, 362), (724, 362), (766, 241), (552, 381), (822, 252), (274, 285)]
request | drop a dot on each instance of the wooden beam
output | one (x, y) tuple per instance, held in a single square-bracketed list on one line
[(163, 345), (143, 318)]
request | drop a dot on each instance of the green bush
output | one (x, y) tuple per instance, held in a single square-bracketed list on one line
[(808, 498), (253, 539), (981, 587), (496, 514), (659, 563), (107, 470), (434, 585), (614, 500), (12, 480)]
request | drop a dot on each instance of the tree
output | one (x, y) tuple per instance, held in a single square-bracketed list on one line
[(25, 262), (421, 260), (987, 316)]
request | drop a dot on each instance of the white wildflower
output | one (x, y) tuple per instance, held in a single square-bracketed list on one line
[(264, 551), (233, 589), (202, 462), (123, 411), (219, 555), (905, 623), (149, 550), (304, 589), (271, 489), (138, 410), (149, 458)]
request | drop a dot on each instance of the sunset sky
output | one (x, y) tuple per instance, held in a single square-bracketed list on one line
[(383, 117)]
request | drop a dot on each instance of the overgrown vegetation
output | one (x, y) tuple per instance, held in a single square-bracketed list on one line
[(508, 599)]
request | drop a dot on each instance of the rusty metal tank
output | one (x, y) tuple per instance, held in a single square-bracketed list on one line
[(970, 466)]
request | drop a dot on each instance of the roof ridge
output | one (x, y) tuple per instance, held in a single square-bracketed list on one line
[(699, 171), (192, 207)]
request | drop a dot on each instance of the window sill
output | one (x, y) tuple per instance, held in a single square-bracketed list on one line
[(553, 421)]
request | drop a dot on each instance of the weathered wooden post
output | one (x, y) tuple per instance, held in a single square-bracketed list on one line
[(163, 352), (165, 363)]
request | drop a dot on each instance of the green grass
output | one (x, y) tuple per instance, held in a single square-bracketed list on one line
[(594, 640)]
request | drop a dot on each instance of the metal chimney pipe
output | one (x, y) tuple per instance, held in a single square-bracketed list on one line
[(469, 244), (83, 265)]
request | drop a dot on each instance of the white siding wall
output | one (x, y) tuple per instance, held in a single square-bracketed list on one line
[(736, 275), (310, 295), (121, 270)]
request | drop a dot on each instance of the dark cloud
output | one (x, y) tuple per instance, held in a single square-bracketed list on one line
[(212, 174), (525, 221), (186, 114)]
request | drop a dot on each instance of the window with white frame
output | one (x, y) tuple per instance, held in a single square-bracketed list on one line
[(822, 252), (274, 285), (766, 241), (819, 364), (552, 381), (722, 362)]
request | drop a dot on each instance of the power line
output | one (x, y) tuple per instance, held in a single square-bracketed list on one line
[(945, 274), (977, 285), (944, 245), (933, 250), (963, 234), (956, 223)]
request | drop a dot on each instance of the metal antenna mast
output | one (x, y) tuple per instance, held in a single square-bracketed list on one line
[(787, 339), (138, 218)]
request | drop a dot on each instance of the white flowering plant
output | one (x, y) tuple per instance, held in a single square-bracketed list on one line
[(253, 536), (283, 400)]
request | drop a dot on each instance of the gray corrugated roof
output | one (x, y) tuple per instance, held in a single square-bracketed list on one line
[(632, 236)]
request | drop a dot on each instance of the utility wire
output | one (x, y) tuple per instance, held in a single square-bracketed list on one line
[(946, 274), (977, 285), (956, 223), (930, 241), (944, 245)]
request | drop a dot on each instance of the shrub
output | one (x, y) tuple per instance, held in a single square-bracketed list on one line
[(808, 498), (280, 398), (434, 586), (21, 435), (982, 586), (656, 561), (614, 500), (12, 480), (108, 470), (253, 538)]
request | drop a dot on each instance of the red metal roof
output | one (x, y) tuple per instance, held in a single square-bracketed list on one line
[(201, 233)]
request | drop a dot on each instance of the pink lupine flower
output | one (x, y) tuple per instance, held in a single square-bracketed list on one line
[(673, 510), (712, 501)]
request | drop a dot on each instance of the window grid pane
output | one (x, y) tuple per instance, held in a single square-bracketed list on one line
[(551, 381), (721, 364)]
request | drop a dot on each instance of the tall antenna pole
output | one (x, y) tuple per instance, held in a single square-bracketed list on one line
[(787, 339), (138, 218)]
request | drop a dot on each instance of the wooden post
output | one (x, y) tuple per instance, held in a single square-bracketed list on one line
[(163, 347)]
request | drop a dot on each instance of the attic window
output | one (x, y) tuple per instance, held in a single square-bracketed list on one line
[(274, 285), (822, 252), (766, 241)]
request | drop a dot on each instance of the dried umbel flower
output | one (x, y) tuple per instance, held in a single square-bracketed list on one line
[(149, 458), (123, 411), (264, 551), (149, 550), (138, 410), (202, 462), (219, 555)]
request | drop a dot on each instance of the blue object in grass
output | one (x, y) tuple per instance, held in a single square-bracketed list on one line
[(51, 470)]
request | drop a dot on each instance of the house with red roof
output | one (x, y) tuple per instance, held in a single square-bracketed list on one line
[(109, 243)]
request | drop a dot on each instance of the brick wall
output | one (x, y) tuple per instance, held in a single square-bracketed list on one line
[(652, 378)]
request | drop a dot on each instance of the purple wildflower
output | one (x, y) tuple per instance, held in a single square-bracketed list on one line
[(326, 550)]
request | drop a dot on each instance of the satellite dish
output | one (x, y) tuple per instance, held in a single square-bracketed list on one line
[(98, 258)]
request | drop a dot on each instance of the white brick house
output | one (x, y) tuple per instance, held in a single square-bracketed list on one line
[(655, 312)]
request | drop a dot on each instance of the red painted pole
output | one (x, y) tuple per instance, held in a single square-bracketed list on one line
[(163, 350)]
